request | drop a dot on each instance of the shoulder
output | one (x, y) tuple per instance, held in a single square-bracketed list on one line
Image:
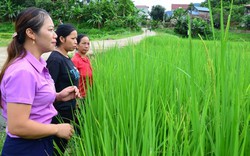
[(75, 59), (20, 65), (21, 69), (54, 57)]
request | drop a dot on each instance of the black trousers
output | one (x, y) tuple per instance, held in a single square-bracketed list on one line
[(27, 147), (65, 116)]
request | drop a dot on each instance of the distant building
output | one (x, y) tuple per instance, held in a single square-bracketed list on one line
[(179, 6), (197, 11), (202, 12), (169, 13), (143, 10)]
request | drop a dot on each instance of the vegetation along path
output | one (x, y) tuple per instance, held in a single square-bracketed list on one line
[(96, 45)]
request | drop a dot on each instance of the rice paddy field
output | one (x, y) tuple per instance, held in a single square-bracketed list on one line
[(168, 96)]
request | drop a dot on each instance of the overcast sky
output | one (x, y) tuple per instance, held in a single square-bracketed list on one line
[(165, 3)]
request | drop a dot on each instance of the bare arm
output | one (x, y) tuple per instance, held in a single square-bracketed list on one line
[(20, 125)]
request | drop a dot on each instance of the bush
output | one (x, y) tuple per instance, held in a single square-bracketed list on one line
[(8, 11), (114, 24), (46, 5), (198, 26), (117, 31), (246, 22)]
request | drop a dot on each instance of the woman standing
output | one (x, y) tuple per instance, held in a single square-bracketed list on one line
[(27, 89), (64, 74), (83, 64)]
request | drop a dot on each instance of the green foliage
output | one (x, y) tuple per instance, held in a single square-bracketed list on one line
[(154, 24), (179, 13), (198, 26), (114, 24), (97, 14), (235, 36), (217, 3), (157, 12), (24, 3), (47, 5), (182, 26), (7, 27), (96, 20), (8, 10), (237, 11), (2, 138), (168, 31), (180, 112), (246, 22)]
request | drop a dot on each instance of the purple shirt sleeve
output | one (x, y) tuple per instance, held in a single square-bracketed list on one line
[(20, 87)]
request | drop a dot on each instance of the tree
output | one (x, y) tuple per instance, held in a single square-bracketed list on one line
[(8, 10), (125, 7), (157, 13), (96, 20), (237, 11), (24, 3), (217, 3)]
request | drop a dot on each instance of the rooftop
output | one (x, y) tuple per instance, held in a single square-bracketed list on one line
[(142, 6)]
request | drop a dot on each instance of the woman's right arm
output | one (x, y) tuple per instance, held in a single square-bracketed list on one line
[(20, 125)]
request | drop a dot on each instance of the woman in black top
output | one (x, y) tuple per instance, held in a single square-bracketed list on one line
[(64, 74)]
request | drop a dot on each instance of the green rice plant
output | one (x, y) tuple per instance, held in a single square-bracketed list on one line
[(146, 101), (168, 96)]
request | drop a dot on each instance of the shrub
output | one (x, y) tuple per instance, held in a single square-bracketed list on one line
[(198, 26), (246, 22), (113, 24)]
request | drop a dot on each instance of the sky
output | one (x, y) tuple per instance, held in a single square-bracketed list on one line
[(165, 3)]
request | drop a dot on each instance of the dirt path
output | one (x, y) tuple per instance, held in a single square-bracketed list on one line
[(95, 45)]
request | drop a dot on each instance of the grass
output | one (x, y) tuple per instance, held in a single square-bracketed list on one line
[(236, 36), (5, 39), (118, 36), (2, 139)]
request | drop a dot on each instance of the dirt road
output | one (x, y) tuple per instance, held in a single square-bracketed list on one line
[(95, 45)]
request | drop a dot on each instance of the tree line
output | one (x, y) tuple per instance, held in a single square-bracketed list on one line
[(108, 14)]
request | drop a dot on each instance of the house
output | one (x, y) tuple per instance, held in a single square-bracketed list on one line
[(202, 12), (143, 10), (183, 6), (178, 6), (169, 13), (197, 10)]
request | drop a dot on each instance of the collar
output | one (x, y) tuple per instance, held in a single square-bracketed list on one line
[(39, 65), (79, 56)]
